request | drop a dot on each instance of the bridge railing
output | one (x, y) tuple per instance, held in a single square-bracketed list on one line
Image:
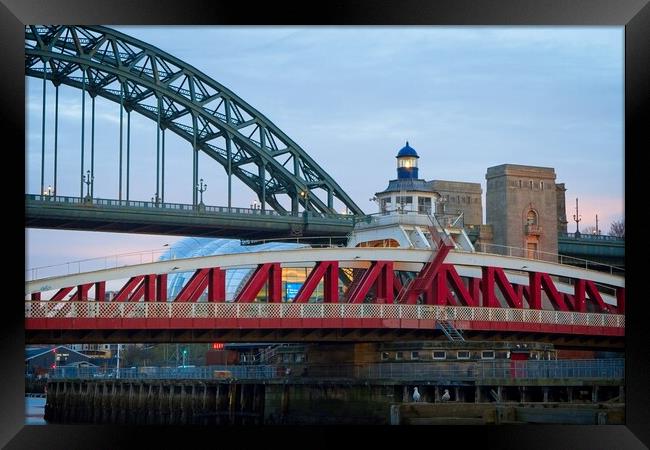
[(591, 237), (441, 372), (174, 310), (554, 369), (504, 250), (91, 264), (200, 208)]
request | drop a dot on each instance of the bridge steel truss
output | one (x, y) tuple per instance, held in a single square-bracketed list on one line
[(142, 78), (474, 296)]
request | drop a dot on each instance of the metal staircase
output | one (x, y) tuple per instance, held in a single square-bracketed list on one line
[(452, 333)]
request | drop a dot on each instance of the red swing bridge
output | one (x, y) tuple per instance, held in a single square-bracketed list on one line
[(369, 294)]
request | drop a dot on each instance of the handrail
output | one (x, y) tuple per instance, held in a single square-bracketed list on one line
[(200, 208), (552, 257)]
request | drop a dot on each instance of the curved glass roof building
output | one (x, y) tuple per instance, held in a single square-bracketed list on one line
[(193, 247)]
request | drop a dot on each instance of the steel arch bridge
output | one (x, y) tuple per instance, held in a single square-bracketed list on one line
[(178, 97)]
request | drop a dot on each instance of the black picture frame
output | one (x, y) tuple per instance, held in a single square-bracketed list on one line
[(633, 14)]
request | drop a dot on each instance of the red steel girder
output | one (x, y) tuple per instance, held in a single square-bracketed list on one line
[(60, 295), (82, 292), (216, 285), (194, 287), (595, 296), (268, 272), (379, 274), (539, 281), (123, 294), (100, 291), (458, 286), (496, 275), (161, 287), (323, 269), (423, 281)]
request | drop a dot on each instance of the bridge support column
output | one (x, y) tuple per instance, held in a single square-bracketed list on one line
[(100, 291), (545, 389), (83, 127), (579, 296), (594, 394), (161, 287), (128, 152), (121, 135), (56, 133), (195, 162), (92, 146), (216, 285), (43, 129)]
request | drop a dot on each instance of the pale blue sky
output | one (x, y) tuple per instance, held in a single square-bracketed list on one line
[(466, 98)]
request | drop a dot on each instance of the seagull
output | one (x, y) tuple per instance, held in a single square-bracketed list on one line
[(445, 397), (416, 395)]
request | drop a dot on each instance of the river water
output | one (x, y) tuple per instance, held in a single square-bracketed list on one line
[(34, 411)]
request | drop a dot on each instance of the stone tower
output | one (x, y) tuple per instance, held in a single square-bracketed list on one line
[(521, 206)]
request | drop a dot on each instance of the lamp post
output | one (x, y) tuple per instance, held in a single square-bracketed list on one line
[(88, 181), (48, 192), (577, 218), (202, 188)]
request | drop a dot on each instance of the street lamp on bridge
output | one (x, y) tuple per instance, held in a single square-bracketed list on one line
[(202, 188), (577, 218), (88, 181)]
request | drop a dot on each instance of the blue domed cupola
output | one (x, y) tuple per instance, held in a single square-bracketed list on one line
[(407, 163)]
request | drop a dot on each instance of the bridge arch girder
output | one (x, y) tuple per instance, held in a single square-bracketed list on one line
[(200, 110)]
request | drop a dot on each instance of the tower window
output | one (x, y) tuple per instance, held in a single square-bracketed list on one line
[(541, 185), (531, 183), (519, 183), (531, 218)]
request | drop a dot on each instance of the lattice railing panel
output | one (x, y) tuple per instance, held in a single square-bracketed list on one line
[(173, 310)]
